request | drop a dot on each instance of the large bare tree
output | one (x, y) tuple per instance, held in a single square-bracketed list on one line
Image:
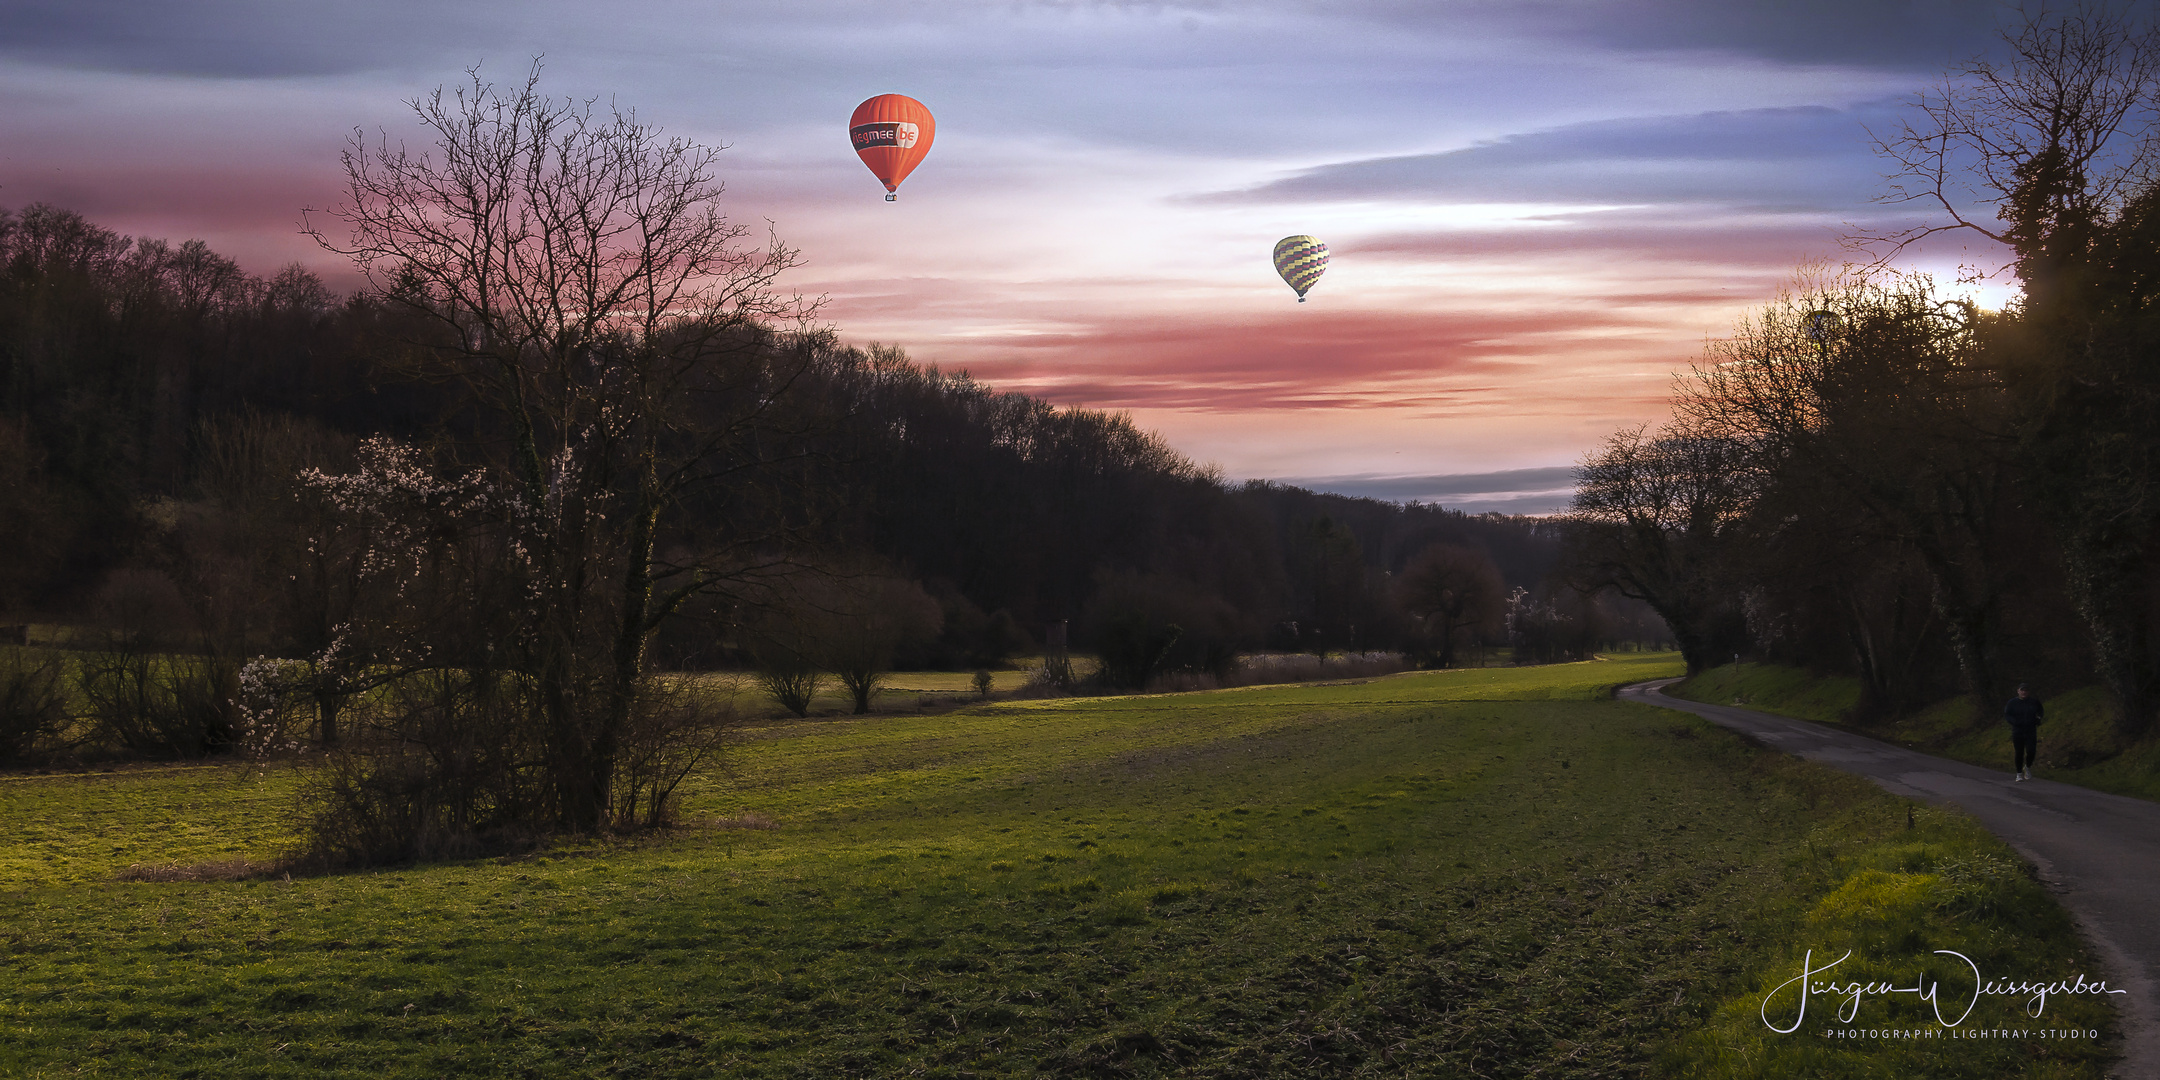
[(1455, 591), (2057, 131), (1651, 518), (624, 341)]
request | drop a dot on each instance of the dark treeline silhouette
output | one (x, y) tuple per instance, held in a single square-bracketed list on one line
[(119, 358), (156, 402), (1871, 479), (1018, 514)]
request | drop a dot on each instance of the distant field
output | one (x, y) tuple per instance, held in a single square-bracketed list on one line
[(900, 691), (1496, 872), (944, 682)]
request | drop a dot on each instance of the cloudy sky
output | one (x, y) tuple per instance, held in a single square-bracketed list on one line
[(1538, 209)]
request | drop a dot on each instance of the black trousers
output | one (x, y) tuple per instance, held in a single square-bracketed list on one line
[(2022, 743)]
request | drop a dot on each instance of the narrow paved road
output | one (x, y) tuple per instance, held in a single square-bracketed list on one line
[(2100, 852)]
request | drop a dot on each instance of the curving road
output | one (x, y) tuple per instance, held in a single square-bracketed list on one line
[(2100, 853)]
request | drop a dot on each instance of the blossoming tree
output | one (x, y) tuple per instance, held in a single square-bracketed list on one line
[(625, 348)]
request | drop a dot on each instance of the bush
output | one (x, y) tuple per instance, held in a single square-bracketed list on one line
[(163, 706), (676, 727), (441, 767), (273, 707), (788, 678), (1054, 678), (1132, 647), (1145, 625), (448, 764), (33, 703)]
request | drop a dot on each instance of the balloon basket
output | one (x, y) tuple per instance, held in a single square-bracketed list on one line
[(892, 198), (1300, 299)]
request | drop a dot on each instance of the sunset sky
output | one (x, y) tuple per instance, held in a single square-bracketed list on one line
[(1538, 210)]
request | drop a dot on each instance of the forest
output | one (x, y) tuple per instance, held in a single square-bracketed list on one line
[(159, 403)]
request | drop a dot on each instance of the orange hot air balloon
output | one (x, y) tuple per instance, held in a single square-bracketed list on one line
[(891, 133)]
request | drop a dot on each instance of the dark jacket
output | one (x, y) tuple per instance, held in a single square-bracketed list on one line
[(2023, 712)]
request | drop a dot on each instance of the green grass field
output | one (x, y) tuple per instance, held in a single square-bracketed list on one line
[(2078, 743), (1496, 872)]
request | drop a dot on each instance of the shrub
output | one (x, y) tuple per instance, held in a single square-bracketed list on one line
[(1054, 678), (33, 703), (162, 706), (675, 728), (448, 764), (271, 707), (789, 680), (441, 767), (1144, 625)]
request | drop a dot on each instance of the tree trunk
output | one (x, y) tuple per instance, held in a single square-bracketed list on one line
[(1685, 625), (2110, 593), (628, 659), (1447, 642), (327, 706)]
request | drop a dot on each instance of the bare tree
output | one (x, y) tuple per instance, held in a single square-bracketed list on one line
[(1651, 517), (1455, 590), (2059, 132), (572, 268), (874, 617)]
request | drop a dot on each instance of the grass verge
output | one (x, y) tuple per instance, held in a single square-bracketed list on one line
[(2077, 744)]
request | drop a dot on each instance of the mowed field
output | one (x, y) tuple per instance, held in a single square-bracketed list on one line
[(1494, 873)]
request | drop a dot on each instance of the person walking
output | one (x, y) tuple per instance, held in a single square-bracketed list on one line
[(2023, 715)]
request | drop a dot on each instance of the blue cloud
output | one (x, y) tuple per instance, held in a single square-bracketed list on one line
[(1921, 36), (1510, 491), (1802, 158), (242, 39)]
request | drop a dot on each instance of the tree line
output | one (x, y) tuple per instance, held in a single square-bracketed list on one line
[(1876, 478), (159, 405)]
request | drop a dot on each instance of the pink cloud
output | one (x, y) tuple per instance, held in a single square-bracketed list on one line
[(250, 214), (1419, 361)]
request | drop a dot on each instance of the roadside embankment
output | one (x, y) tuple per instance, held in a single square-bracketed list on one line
[(2078, 741)]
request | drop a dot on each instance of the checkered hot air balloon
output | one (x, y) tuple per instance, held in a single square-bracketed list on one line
[(1823, 325), (891, 133), (1300, 260)]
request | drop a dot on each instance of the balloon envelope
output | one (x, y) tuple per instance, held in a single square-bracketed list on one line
[(1823, 325), (891, 133), (1300, 260)]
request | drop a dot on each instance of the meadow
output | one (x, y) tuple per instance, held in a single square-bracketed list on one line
[(1492, 872)]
